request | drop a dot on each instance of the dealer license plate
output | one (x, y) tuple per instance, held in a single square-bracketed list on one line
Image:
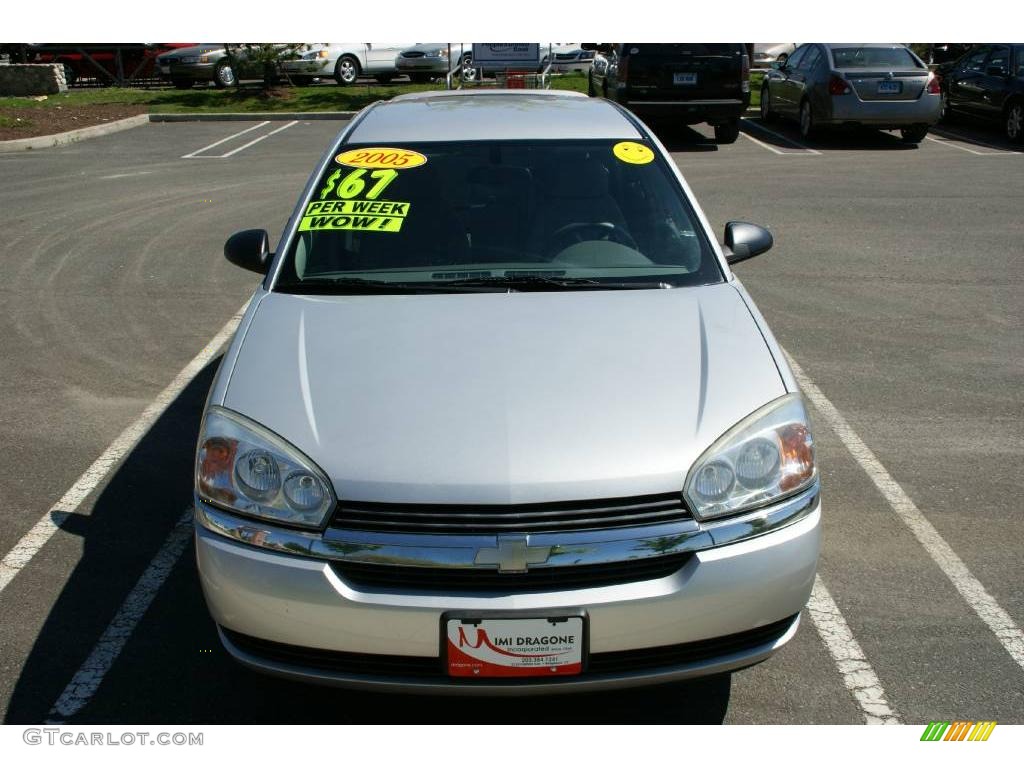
[(890, 86), (684, 78), (514, 647)]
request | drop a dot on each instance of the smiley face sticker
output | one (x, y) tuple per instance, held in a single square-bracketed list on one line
[(633, 152)]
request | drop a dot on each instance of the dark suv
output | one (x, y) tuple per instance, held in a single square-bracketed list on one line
[(687, 82)]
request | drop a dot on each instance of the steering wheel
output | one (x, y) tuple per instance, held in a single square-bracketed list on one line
[(577, 233)]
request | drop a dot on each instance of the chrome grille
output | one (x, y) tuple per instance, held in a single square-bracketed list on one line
[(592, 514)]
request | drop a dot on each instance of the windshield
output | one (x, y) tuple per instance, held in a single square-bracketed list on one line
[(599, 214), (874, 57)]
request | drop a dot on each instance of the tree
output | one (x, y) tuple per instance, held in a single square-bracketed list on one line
[(264, 58)]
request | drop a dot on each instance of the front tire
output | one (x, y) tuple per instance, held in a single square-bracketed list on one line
[(727, 133), (346, 71), (224, 75), (1014, 122), (808, 129), (182, 83), (468, 71), (914, 134)]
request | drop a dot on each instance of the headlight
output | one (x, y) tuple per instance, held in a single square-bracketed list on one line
[(440, 52), (246, 467), (768, 455), (204, 59)]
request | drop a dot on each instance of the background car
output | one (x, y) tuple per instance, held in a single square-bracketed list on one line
[(766, 53), (987, 84), (685, 82), (567, 59), (204, 63), (882, 85), (426, 61), (345, 62)]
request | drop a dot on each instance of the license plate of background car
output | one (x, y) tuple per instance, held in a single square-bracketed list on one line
[(514, 647), (889, 86), (684, 78)]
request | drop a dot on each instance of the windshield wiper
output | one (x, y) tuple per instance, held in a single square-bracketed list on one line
[(360, 285), (532, 282)]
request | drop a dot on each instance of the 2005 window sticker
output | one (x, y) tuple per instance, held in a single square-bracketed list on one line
[(349, 199)]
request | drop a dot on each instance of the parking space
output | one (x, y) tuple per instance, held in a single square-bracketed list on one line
[(894, 285)]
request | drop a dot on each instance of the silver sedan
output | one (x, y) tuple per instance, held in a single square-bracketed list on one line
[(500, 419), (878, 85)]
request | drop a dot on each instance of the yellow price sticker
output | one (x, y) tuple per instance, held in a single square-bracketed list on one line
[(381, 157), (633, 152)]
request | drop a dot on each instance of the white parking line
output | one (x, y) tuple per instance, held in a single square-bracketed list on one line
[(48, 524), (87, 679), (284, 127), (973, 591), (126, 175), (957, 146), (226, 138), (947, 134), (858, 675), (758, 126)]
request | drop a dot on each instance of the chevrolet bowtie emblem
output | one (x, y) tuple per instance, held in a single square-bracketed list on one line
[(512, 555)]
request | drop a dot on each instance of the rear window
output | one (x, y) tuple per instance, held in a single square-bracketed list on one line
[(596, 210), (899, 58), (683, 49)]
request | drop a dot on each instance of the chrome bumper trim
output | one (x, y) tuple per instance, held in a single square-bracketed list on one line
[(461, 551), (413, 685)]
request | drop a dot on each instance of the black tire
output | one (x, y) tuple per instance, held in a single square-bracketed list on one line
[(383, 79), (182, 83), (914, 134), (808, 129), (782, 58), (766, 105), (346, 71), (468, 72), (224, 75), (420, 78), (727, 133), (1013, 121)]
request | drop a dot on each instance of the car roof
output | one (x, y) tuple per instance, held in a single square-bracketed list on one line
[(493, 114)]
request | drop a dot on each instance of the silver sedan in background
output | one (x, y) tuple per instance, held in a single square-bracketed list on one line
[(881, 85)]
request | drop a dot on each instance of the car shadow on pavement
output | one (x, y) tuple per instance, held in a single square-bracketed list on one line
[(785, 135), (172, 668), (682, 138), (982, 137)]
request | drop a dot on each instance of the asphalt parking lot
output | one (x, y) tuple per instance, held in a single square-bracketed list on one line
[(895, 285)]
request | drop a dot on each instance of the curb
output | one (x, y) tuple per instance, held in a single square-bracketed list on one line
[(183, 117), (69, 137)]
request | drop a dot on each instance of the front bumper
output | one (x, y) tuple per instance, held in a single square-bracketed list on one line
[(425, 65), (850, 109), (302, 603)]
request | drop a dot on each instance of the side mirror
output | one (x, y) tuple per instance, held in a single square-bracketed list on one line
[(744, 241), (249, 249)]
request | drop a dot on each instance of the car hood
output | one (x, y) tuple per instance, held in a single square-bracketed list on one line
[(498, 398)]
